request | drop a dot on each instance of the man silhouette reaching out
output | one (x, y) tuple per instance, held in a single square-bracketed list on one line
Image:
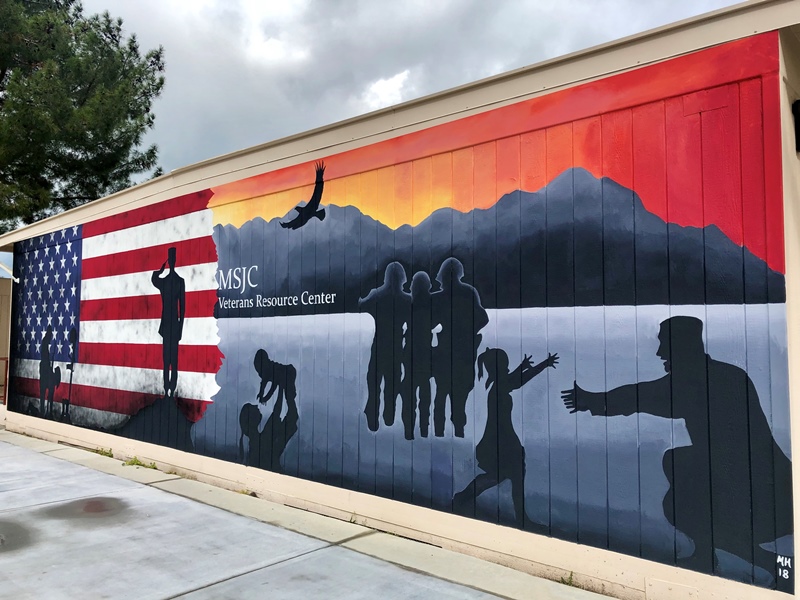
[(731, 488), (173, 310)]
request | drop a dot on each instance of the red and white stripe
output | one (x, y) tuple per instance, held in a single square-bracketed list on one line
[(120, 364)]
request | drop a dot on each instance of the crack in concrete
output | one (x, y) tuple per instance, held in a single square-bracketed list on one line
[(249, 571)]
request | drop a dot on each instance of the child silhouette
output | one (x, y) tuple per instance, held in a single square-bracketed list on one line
[(500, 453), (282, 378)]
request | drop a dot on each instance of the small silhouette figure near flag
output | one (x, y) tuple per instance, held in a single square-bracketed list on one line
[(49, 377)]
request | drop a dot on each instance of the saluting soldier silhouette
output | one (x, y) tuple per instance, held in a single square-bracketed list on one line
[(173, 311)]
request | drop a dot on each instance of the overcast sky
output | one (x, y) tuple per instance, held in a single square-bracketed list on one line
[(244, 72)]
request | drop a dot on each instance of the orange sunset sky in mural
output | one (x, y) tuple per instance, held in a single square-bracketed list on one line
[(407, 193), (691, 136)]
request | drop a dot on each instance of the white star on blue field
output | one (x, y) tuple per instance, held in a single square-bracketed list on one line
[(48, 293)]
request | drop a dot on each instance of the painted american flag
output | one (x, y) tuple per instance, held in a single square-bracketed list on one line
[(96, 278)]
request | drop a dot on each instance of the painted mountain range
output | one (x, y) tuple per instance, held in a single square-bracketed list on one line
[(579, 241)]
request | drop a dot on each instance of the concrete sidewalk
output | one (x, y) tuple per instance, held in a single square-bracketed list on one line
[(75, 524)]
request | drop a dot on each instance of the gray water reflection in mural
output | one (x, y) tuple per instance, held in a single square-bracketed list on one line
[(595, 480)]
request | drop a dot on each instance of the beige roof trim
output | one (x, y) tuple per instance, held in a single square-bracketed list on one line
[(734, 22)]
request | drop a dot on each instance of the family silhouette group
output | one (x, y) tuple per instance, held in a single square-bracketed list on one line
[(422, 335)]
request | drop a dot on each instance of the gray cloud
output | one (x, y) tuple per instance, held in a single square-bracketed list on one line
[(244, 72)]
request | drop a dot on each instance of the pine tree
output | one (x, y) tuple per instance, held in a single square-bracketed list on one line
[(75, 102)]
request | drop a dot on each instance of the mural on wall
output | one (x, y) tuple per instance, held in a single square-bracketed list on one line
[(562, 316)]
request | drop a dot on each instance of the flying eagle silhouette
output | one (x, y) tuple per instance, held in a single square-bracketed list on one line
[(311, 208)]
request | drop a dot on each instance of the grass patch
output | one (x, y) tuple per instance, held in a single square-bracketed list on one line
[(135, 462), (569, 580), (103, 452)]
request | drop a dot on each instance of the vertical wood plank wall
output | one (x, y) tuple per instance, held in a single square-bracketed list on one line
[(581, 232)]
